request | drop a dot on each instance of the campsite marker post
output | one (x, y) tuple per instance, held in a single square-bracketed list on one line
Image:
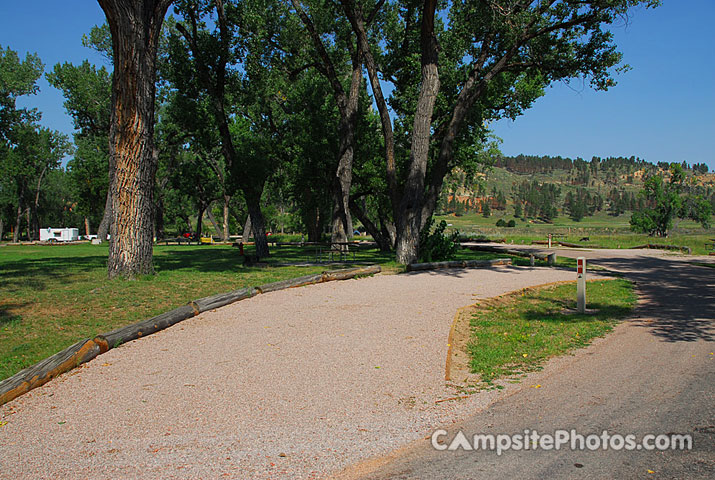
[(581, 284)]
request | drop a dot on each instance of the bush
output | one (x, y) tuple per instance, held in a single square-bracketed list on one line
[(511, 224), (436, 246), (501, 223)]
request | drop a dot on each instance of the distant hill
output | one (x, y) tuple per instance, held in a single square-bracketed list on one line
[(545, 187)]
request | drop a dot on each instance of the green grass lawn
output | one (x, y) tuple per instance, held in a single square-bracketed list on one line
[(517, 333)]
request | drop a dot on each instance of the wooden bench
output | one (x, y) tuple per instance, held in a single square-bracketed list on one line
[(177, 241)]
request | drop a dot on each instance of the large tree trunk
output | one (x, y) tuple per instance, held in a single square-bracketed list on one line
[(2, 228), (341, 219), (409, 219), (313, 224), (28, 227), (18, 223), (159, 219), (226, 204), (200, 222), (258, 225), (135, 26), (382, 240), (103, 229), (212, 218), (247, 229), (87, 231), (34, 230), (36, 207)]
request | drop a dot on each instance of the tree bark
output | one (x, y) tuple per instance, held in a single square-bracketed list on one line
[(226, 204), (409, 218), (247, 229), (18, 221), (35, 208), (212, 218), (313, 224), (28, 224), (159, 218), (136, 27), (383, 241), (200, 222), (258, 226), (103, 229), (2, 228), (87, 231)]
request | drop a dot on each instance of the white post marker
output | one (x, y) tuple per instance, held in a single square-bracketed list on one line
[(549, 240), (581, 284)]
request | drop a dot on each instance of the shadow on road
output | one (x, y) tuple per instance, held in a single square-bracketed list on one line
[(676, 299)]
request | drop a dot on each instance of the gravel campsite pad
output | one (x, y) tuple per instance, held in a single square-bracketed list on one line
[(297, 383)]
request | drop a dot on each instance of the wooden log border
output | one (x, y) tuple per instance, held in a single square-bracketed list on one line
[(87, 349), (415, 267)]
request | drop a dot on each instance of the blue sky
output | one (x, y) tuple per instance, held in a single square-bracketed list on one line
[(661, 110)]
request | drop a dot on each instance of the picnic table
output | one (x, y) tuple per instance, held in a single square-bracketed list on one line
[(177, 241), (335, 251)]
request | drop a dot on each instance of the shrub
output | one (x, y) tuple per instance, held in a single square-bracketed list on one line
[(511, 223), (501, 223), (435, 245)]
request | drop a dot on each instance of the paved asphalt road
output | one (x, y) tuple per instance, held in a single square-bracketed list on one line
[(655, 374)]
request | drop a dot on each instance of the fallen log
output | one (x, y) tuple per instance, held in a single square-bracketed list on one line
[(290, 283), (663, 247), (571, 245), (414, 267), (147, 327), (507, 251), (49, 368), (219, 300), (487, 263), (346, 274)]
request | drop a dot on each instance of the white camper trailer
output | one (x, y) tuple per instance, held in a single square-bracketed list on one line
[(59, 234)]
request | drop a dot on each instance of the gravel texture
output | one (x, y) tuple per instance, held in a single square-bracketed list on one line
[(291, 384)]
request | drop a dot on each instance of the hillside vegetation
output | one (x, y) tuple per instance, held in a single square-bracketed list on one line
[(525, 198)]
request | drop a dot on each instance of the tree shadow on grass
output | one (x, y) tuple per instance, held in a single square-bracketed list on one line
[(565, 311), (36, 273), (8, 318), (205, 259)]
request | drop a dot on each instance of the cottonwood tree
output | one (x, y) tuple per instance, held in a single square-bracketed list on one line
[(455, 65), (135, 26), (32, 152), (17, 78), (229, 67), (27, 151), (87, 91), (330, 48), (665, 201)]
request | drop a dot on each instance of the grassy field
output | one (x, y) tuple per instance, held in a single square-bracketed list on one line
[(601, 229), (52, 296), (516, 334)]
